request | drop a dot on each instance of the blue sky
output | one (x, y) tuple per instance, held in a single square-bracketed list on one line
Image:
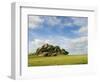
[(68, 32)]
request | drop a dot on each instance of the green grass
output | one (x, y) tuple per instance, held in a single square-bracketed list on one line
[(57, 60)]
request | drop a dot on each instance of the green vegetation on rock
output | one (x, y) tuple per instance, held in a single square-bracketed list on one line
[(50, 50)]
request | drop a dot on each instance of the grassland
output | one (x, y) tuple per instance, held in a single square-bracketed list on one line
[(57, 60)]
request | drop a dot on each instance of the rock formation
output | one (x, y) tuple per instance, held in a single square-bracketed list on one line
[(50, 50)]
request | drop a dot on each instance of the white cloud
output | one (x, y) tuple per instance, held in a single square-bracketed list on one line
[(68, 24), (36, 43), (80, 21), (83, 30), (80, 45), (80, 39), (33, 45), (52, 21), (35, 21), (74, 46)]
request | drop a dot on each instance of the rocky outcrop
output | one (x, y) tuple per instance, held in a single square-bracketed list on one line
[(50, 50)]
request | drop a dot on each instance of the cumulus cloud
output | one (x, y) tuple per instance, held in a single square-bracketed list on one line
[(75, 46), (83, 30), (80, 39), (80, 45), (52, 20), (35, 21), (36, 43), (80, 21)]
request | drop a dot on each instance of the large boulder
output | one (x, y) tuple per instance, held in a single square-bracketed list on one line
[(50, 50), (63, 51)]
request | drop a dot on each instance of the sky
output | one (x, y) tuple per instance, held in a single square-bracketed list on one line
[(70, 33)]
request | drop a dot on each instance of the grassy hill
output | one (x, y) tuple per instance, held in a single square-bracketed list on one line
[(34, 60)]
